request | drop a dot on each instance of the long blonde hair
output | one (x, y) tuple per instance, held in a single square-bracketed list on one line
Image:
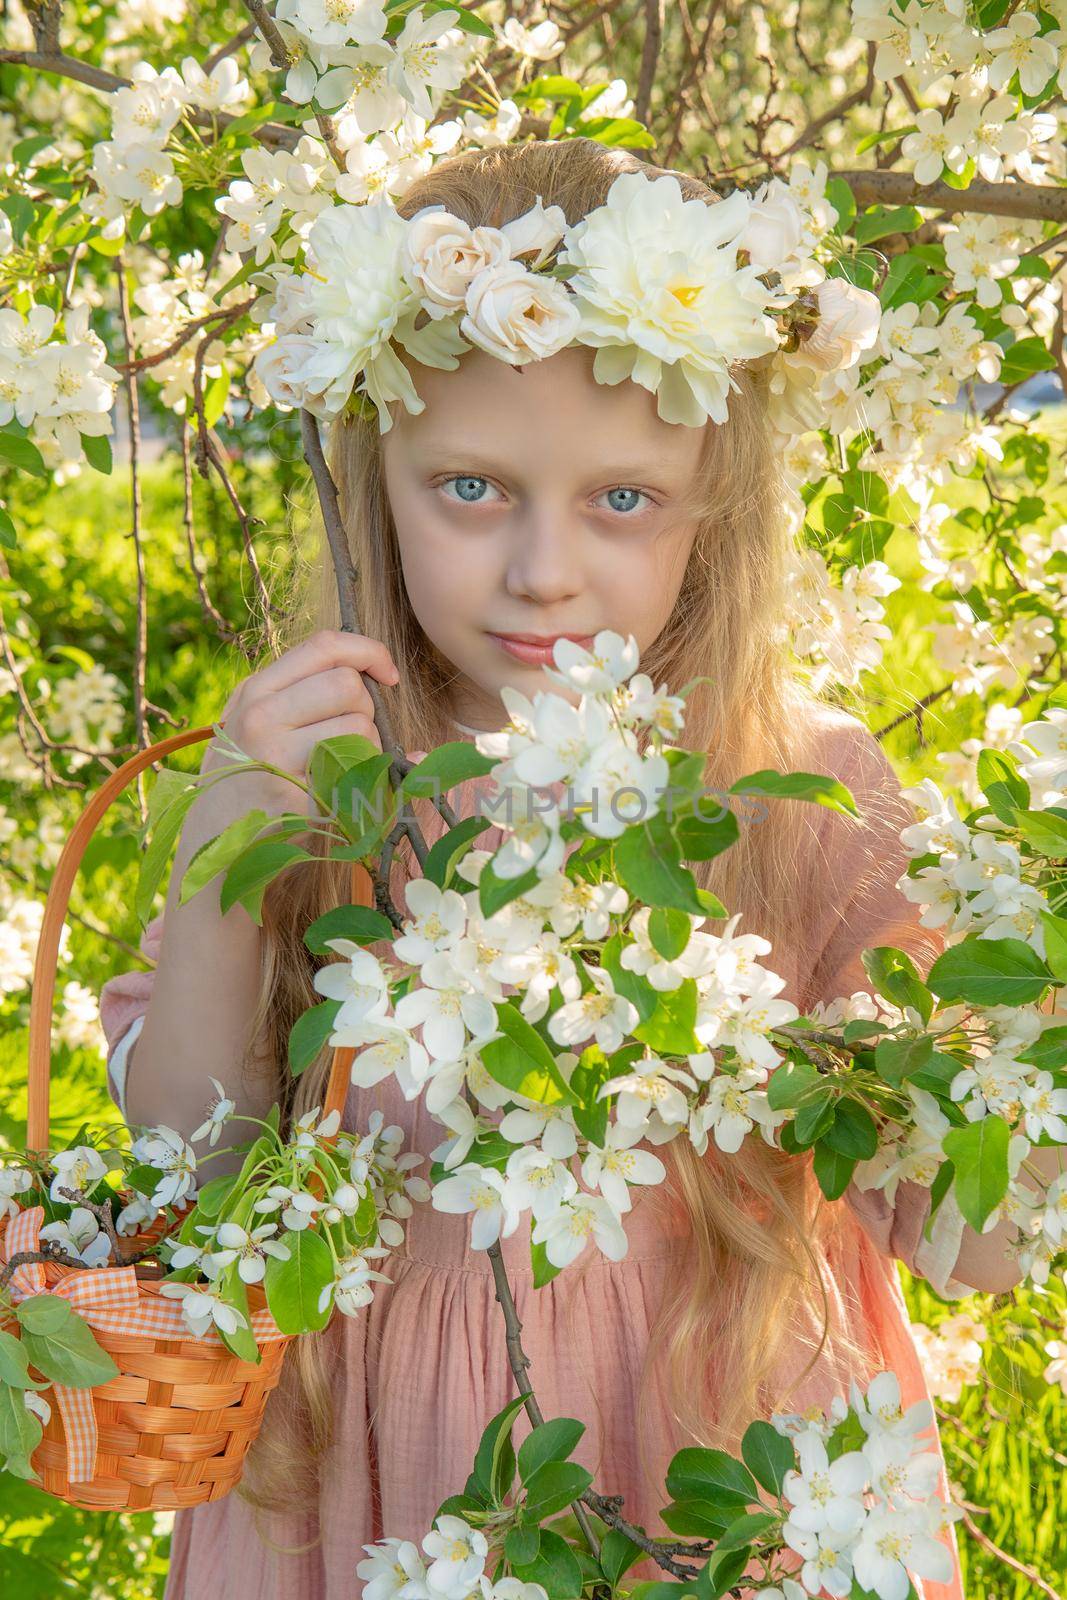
[(756, 1228)]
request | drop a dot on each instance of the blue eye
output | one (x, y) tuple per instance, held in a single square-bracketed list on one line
[(470, 490), (620, 490), (467, 487)]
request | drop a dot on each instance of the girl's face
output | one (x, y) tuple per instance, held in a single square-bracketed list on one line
[(537, 502)]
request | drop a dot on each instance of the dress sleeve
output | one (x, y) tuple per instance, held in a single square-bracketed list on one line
[(863, 907), (123, 1006)]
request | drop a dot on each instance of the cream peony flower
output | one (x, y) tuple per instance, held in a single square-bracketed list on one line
[(518, 315), (353, 303), (662, 297)]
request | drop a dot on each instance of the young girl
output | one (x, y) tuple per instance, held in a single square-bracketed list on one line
[(525, 503)]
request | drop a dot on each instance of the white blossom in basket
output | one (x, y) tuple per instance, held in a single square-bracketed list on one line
[(80, 1169), (249, 1248), (219, 1110), (203, 1310), (13, 1181), (80, 1235)]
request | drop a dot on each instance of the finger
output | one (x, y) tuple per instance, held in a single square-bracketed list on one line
[(332, 728), (333, 693), (330, 647)]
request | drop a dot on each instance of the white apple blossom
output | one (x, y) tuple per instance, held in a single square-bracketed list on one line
[(569, 1229), (611, 1168), (484, 1192), (80, 1235), (249, 1248), (203, 1310), (600, 1014)]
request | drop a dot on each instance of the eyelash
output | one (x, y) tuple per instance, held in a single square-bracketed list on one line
[(480, 477)]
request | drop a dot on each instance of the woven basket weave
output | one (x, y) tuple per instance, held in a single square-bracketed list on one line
[(174, 1426)]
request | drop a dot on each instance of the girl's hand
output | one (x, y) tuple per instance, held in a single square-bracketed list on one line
[(314, 691)]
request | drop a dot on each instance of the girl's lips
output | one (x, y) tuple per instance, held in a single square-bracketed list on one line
[(538, 655)]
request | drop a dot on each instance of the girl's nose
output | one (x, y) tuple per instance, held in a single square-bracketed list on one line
[(544, 561)]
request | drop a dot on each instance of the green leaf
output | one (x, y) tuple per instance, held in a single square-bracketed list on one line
[(700, 837), (744, 1530), (877, 221), (522, 1545), (522, 1061), (648, 862), (44, 1313), (248, 878), (1025, 357), (242, 1342), (212, 1197), (554, 1486), (813, 786), (309, 1034), (442, 769), (669, 1030), (833, 1171), (697, 1519), (668, 931), (990, 972), (361, 924), (8, 535), (767, 1455), (979, 1153), (293, 1287), (1055, 944), (69, 1355), (713, 1476), (494, 893), (20, 1431), (97, 447), (446, 852), (215, 397), (1045, 831), (552, 1441), (556, 1568), (617, 1555), (790, 1084), (723, 1571), (852, 1132), (22, 453), (491, 1447), (1002, 783), (160, 844), (14, 1363), (219, 853), (815, 1115), (897, 1059)]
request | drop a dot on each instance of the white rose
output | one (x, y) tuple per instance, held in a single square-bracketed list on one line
[(518, 315), (774, 230), (848, 324), (442, 255), (541, 228), (282, 367)]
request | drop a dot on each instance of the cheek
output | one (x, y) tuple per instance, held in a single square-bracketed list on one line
[(442, 574)]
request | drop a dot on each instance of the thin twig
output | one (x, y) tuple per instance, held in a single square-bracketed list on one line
[(102, 1213)]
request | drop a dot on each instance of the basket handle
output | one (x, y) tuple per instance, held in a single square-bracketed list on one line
[(58, 899)]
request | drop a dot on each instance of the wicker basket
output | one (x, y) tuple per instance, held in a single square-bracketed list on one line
[(172, 1429)]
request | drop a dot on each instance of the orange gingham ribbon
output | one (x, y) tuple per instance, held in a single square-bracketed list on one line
[(107, 1298)]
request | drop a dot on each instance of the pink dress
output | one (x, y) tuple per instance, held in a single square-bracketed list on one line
[(421, 1371)]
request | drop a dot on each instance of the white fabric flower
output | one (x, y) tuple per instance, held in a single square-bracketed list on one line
[(662, 297), (442, 255), (517, 315)]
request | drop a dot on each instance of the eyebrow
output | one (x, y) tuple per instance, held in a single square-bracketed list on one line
[(464, 453)]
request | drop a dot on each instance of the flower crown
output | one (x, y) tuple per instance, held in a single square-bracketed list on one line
[(670, 292)]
